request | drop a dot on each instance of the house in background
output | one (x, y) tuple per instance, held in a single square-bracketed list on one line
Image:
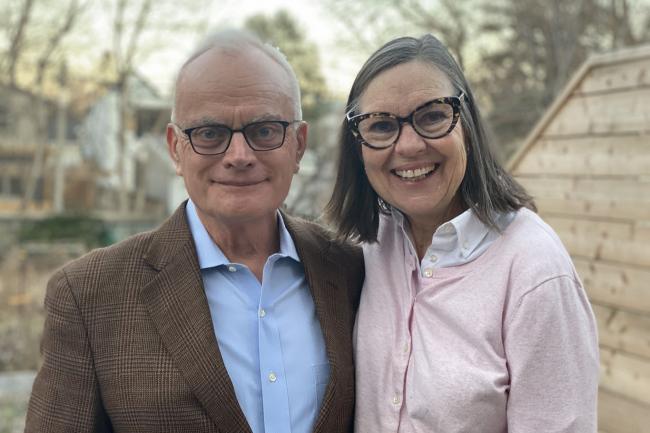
[(144, 166), (37, 136), (66, 161), (587, 164)]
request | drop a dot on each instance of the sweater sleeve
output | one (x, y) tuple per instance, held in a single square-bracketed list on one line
[(551, 346), (65, 396)]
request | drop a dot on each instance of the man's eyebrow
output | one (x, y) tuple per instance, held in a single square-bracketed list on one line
[(208, 120), (203, 121)]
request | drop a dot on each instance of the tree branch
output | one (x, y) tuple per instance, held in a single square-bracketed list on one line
[(17, 40)]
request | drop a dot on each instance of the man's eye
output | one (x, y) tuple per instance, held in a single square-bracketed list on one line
[(264, 132), (269, 131), (210, 134)]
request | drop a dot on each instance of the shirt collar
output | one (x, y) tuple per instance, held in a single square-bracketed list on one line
[(209, 253), (465, 231)]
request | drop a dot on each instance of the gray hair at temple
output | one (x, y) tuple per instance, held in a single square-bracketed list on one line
[(237, 41)]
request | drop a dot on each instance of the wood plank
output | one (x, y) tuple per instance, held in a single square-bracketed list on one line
[(584, 237), (623, 330), (596, 197), (604, 229), (602, 188), (601, 240), (614, 113), (626, 375), (618, 414), (615, 285), (621, 155), (641, 230), (616, 76), (590, 208), (633, 252)]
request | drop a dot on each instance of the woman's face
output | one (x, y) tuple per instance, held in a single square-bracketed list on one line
[(417, 175)]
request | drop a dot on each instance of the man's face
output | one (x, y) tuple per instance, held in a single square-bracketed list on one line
[(240, 185)]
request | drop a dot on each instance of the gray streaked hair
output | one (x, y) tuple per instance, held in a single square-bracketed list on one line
[(486, 188), (234, 40)]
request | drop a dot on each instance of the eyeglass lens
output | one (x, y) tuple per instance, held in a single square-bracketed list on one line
[(431, 121), (215, 139)]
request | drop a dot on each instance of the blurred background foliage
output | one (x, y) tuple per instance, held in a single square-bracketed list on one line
[(91, 231)]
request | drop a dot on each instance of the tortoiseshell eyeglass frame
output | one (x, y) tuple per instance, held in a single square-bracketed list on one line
[(355, 120)]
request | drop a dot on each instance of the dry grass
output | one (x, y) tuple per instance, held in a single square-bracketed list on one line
[(25, 270)]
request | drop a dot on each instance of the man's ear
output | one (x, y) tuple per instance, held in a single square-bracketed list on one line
[(173, 148), (301, 141)]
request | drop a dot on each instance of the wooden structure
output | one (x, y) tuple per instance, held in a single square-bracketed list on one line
[(587, 163)]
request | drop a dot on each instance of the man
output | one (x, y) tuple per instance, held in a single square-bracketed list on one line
[(230, 317)]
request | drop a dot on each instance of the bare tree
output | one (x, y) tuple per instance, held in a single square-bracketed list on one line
[(450, 21), (283, 31), (54, 36), (16, 40), (124, 56)]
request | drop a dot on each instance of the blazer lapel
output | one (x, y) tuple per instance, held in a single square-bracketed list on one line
[(323, 280), (176, 302)]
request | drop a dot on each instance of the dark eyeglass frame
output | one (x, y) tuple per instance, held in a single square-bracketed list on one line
[(284, 123), (355, 120)]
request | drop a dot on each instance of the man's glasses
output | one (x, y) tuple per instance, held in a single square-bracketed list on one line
[(260, 136), (433, 119)]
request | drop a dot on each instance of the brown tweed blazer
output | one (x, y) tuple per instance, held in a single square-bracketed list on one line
[(129, 345)]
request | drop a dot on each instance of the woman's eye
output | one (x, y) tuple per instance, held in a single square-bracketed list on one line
[(431, 117), (382, 126)]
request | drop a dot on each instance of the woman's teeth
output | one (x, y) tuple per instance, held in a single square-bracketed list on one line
[(415, 174)]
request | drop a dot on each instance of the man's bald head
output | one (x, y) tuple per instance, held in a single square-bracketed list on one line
[(232, 43)]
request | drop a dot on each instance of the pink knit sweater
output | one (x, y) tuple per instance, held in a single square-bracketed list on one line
[(505, 343)]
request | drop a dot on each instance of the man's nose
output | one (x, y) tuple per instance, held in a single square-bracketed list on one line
[(239, 153)]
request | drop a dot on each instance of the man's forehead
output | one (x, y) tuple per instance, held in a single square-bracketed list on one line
[(233, 63)]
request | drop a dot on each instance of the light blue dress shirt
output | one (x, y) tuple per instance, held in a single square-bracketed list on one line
[(268, 334)]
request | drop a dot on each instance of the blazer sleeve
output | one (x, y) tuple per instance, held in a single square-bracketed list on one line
[(65, 396)]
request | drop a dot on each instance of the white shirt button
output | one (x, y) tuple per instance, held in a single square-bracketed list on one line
[(465, 245), (262, 312), (406, 348), (433, 258), (232, 268), (272, 377), (428, 273), (396, 399)]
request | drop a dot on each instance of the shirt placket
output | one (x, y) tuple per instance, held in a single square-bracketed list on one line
[(402, 354), (275, 396)]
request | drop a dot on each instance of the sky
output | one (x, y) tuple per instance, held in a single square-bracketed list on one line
[(320, 27)]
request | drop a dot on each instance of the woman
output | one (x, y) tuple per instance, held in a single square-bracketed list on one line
[(472, 317)]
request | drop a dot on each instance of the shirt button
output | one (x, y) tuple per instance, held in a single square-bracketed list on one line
[(465, 245), (232, 268), (396, 399), (406, 348), (262, 312), (433, 258), (428, 273), (272, 377)]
